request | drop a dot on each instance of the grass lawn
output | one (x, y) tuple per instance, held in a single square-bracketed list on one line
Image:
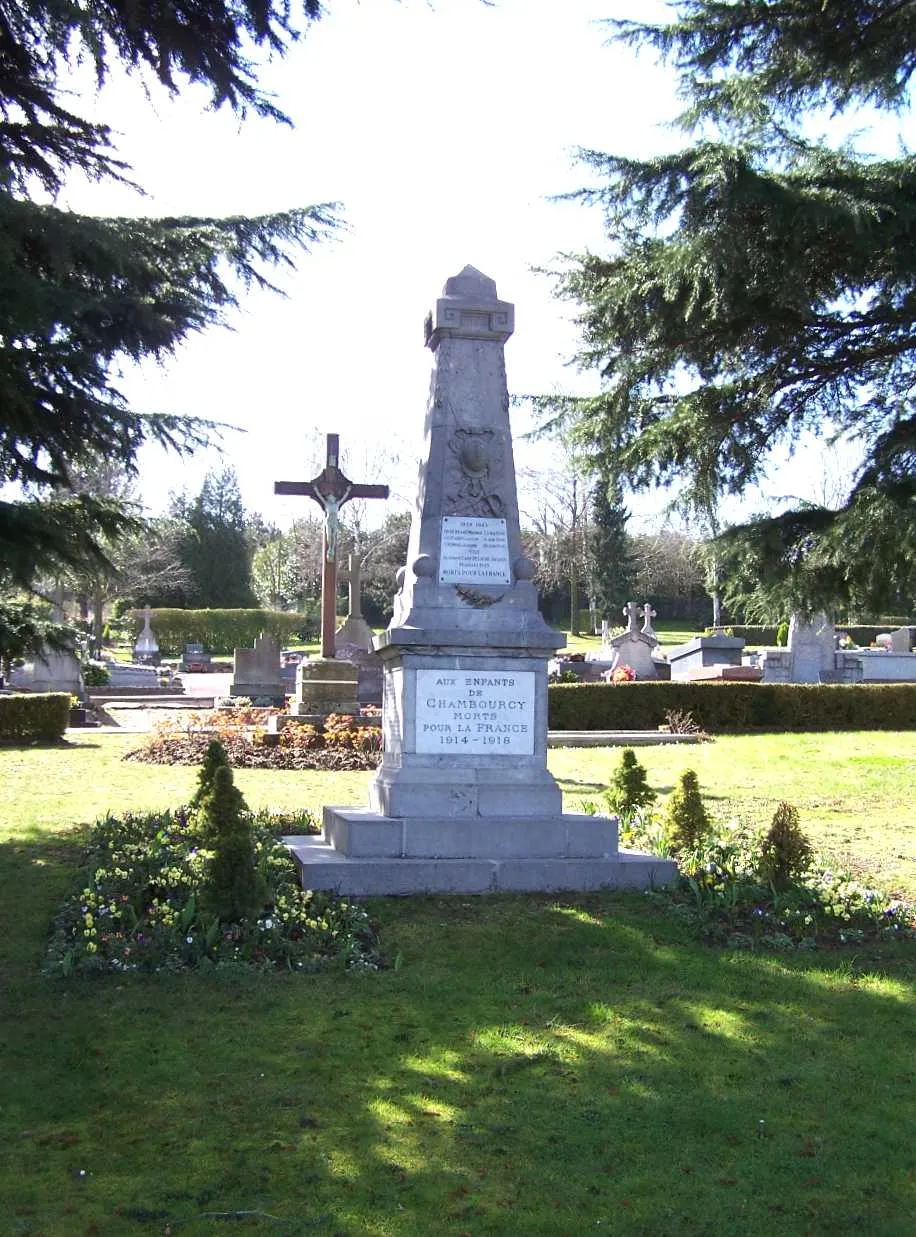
[(670, 632), (527, 1065)]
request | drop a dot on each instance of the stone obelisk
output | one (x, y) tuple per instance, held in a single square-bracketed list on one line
[(463, 800)]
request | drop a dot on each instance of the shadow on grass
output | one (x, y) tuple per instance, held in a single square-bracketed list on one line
[(531, 1065), (573, 785), (36, 871), (65, 745)]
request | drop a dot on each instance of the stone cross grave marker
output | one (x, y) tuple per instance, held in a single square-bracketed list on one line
[(330, 490), (631, 614)]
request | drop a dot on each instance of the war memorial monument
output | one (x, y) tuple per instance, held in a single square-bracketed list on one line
[(463, 800)]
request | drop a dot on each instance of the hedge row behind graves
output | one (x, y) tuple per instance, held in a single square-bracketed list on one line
[(221, 631), (34, 716), (733, 706), (862, 634)]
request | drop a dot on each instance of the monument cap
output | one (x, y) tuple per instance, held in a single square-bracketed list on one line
[(469, 309)]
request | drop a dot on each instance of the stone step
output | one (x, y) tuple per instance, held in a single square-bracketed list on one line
[(324, 868), (617, 738), (359, 832)]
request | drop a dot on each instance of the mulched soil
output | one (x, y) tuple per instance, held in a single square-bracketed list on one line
[(190, 750)]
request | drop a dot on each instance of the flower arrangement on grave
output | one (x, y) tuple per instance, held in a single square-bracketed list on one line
[(620, 674)]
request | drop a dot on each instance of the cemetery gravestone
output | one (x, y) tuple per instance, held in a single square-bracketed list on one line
[(256, 672), (463, 800), (633, 647), (900, 640), (146, 648), (812, 649), (50, 671)]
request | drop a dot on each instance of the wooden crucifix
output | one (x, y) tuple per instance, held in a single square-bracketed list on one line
[(330, 490)]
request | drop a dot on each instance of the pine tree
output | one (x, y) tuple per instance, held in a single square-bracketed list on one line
[(612, 562), (216, 552), (762, 284), (82, 295)]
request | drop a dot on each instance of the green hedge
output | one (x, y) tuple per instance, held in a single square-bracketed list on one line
[(734, 706), (36, 715), (220, 631), (861, 634), (763, 635)]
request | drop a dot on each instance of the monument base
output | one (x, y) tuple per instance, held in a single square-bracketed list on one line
[(363, 854)]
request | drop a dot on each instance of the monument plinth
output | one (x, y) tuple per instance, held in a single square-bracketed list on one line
[(463, 800)]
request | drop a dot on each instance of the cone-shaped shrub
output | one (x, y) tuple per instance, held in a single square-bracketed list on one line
[(785, 853), (629, 788), (233, 889), (214, 758), (686, 821)]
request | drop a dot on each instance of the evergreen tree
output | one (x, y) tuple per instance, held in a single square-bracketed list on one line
[(233, 890), (785, 852), (216, 551), (762, 285), (612, 563), (629, 788), (686, 820), (82, 295), (214, 758)]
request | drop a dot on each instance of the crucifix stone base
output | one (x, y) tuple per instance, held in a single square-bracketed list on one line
[(324, 686)]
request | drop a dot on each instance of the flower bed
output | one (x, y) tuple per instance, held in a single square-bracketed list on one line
[(725, 895), (341, 743), (140, 905)]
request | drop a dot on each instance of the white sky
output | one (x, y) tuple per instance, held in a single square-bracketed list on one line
[(442, 129)]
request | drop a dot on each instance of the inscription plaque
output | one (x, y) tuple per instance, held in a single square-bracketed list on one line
[(473, 550), (474, 712)]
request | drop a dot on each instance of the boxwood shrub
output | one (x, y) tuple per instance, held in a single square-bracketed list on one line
[(34, 716), (734, 706)]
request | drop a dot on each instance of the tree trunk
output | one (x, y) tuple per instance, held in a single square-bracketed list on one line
[(573, 598), (98, 607)]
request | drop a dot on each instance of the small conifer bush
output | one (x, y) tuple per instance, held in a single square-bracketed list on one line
[(785, 852), (215, 759), (686, 820), (233, 890), (629, 788)]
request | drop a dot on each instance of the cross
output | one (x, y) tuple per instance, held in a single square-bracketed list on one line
[(648, 614), (330, 490), (631, 613)]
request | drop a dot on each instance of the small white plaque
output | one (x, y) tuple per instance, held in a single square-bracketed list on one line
[(475, 712), (473, 550)]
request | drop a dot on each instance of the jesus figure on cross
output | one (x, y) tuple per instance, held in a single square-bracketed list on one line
[(330, 489)]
